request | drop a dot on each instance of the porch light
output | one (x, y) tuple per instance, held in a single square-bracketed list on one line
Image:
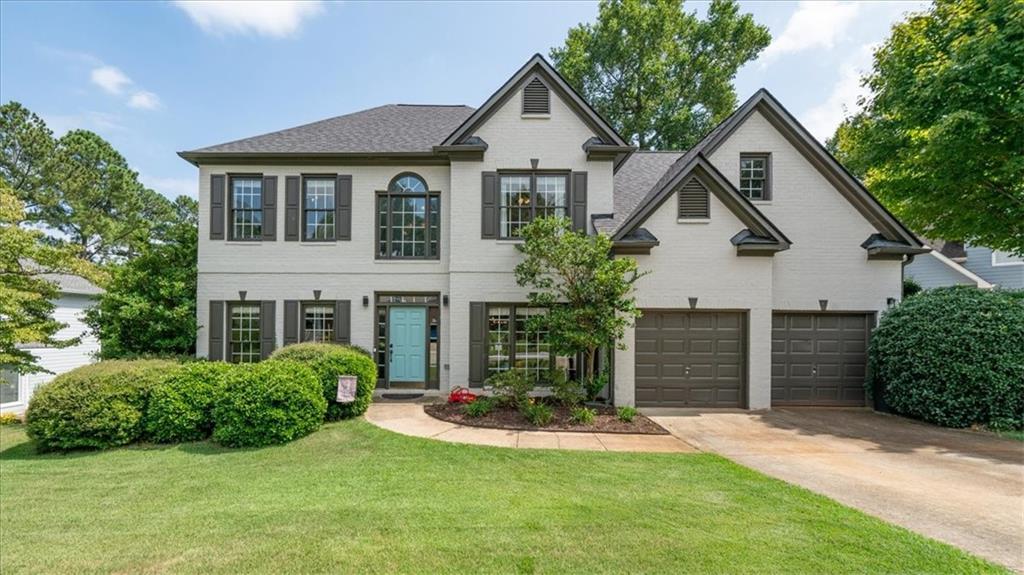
[(366, 301)]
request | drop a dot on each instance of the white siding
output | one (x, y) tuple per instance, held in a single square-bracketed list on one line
[(69, 310)]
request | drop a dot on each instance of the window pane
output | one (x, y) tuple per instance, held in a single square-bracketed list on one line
[(551, 197), (515, 204), (245, 333), (409, 184), (533, 353), (753, 173), (498, 339), (8, 386), (318, 323)]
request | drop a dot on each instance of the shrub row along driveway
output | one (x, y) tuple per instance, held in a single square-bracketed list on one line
[(957, 486), (355, 498)]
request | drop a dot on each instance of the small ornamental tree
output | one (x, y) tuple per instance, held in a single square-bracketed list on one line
[(588, 294)]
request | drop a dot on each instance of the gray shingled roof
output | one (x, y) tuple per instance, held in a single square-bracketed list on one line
[(73, 284), (394, 128), (633, 180)]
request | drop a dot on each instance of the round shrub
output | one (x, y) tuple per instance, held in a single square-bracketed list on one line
[(954, 357), (329, 361), (95, 406), (181, 406), (267, 403)]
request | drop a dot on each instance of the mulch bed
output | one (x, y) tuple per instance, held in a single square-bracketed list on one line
[(606, 420)]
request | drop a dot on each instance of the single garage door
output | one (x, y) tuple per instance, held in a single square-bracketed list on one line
[(690, 359), (819, 358)]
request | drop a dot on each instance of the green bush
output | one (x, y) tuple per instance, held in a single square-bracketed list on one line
[(911, 287), (626, 413), (954, 357), (582, 415), (566, 391), (266, 403), (538, 414), (511, 387), (181, 406), (329, 361), (95, 406), (480, 407)]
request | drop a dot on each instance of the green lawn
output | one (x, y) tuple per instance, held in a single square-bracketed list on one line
[(352, 497)]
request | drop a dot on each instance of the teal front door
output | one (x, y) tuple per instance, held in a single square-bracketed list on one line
[(407, 344)]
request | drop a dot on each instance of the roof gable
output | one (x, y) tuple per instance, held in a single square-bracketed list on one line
[(762, 232), (537, 67)]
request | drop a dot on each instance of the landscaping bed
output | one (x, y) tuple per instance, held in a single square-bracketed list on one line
[(605, 421)]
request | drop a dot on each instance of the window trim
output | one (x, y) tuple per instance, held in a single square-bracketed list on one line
[(388, 193), (996, 264), (511, 343), (231, 177), (767, 157), (330, 304), (303, 178), (229, 340), (567, 174)]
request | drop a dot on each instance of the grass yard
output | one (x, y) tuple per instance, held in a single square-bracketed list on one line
[(354, 498)]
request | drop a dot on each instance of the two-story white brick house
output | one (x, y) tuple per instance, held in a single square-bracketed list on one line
[(395, 229)]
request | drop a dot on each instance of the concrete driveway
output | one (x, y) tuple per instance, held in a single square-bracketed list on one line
[(961, 487)]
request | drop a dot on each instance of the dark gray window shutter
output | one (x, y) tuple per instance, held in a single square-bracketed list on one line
[(693, 200), (268, 332), (489, 201), (270, 208), (217, 215), (536, 98), (215, 331), (579, 201), (343, 321), (291, 321), (343, 207), (477, 344), (292, 208)]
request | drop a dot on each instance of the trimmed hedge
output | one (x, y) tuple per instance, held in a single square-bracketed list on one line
[(329, 361), (953, 357), (95, 406), (181, 406), (267, 403)]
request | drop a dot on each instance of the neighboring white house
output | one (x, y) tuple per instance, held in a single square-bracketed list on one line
[(395, 228), (953, 263), (76, 295)]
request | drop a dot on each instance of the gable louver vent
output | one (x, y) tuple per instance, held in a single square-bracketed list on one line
[(693, 200), (536, 98)]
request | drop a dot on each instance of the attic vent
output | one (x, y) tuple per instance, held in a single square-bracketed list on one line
[(693, 200), (536, 98)]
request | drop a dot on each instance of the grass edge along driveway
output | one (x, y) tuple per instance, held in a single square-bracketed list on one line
[(355, 498)]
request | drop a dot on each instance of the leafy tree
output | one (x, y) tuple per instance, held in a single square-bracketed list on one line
[(78, 187), (940, 140), (26, 295), (587, 293), (661, 76), (149, 307)]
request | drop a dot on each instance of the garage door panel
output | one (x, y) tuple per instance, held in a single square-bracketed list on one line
[(709, 344), (819, 358)]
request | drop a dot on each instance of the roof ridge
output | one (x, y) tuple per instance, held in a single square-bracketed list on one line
[(433, 105)]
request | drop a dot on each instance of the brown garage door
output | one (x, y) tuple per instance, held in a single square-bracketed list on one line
[(819, 358), (690, 359)]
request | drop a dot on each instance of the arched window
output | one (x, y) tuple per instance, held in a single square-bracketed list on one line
[(408, 219)]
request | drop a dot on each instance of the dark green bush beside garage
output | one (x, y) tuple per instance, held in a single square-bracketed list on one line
[(953, 357)]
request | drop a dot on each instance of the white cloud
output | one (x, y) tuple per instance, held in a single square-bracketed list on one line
[(823, 119), (110, 78), (171, 187), (144, 100), (812, 25), (269, 18)]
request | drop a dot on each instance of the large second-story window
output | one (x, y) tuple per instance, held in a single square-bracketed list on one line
[(246, 208), (408, 220), (318, 209), (525, 197), (755, 182)]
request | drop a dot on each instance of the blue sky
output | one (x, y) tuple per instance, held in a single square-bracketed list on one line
[(154, 78)]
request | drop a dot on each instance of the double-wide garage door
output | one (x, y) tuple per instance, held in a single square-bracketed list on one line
[(819, 358), (690, 359)]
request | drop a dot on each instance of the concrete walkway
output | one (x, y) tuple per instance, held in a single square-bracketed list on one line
[(409, 419), (961, 487)]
